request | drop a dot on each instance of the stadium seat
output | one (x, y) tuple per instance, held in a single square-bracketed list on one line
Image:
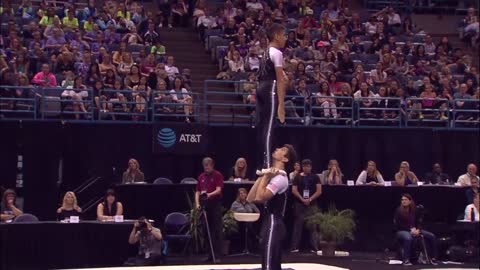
[(188, 180), (176, 228), (162, 181), (25, 218)]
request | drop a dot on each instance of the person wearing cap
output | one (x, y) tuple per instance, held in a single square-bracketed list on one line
[(306, 188)]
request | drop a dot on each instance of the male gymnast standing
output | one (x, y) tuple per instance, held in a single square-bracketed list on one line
[(271, 190), (271, 91)]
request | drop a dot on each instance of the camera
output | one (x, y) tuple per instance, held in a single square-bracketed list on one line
[(203, 200), (142, 225)]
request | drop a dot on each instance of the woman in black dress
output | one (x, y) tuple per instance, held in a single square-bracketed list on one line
[(69, 207)]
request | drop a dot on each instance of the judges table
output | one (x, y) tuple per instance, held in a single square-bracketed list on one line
[(53, 245), (370, 203)]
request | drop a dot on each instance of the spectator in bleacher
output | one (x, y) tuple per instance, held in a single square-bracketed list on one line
[(420, 56), (330, 63), (180, 13), (8, 207), (471, 174), (133, 173), (106, 64), (333, 174), (345, 64), (367, 100), (317, 76), (180, 95), (118, 55), (151, 35), (21, 65), (357, 47), (404, 176), (141, 94), (437, 176), (306, 189), (236, 65), (133, 37), (148, 65), (170, 68), (64, 62), (370, 176), (56, 41), (252, 62), (371, 26), (109, 79), (93, 75), (100, 96), (48, 17), (334, 85), (463, 102), (326, 101), (400, 66), (45, 78), (239, 171), (69, 207), (110, 207), (125, 64), (378, 75), (75, 92), (407, 221), (70, 20)]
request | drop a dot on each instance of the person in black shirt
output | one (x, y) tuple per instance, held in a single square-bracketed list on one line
[(271, 91), (69, 207), (407, 221), (292, 41), (271, 190), (437, 177), (306, 188)]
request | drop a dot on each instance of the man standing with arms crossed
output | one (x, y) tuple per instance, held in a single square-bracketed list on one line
[(271, 190), (271, 91)]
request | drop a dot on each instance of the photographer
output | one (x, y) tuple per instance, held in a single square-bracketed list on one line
[(150, 248), (208, 196)]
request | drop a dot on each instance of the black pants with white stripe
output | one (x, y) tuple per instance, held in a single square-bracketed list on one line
[(267, 104), (272, 234)]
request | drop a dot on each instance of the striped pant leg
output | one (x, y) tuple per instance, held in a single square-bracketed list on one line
[(273, 233), (266, 111)]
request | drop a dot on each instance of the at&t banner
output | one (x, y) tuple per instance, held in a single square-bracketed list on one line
[(182, 139)]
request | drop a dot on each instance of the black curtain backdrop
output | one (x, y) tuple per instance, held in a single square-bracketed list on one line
[(104, 149)]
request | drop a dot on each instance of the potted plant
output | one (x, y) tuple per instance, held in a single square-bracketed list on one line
[(230, 227), (330, 228), (196, 230)]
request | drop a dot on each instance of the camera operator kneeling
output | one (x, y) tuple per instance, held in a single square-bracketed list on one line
[(150, 248)]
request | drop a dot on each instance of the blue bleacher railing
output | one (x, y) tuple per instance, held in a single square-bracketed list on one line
[(227, 103)]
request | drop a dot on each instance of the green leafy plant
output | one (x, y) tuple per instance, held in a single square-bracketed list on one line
[(332, 226), (230, 225), (196, 230)]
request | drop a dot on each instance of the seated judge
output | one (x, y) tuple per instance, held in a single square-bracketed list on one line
[(110, 207), (370, 176), (8, 207), (240, 205), (69, 207), (437, 177), (133, 173), (333, 175), (404, 176), (465, 180), (472, 210), (239, 171)]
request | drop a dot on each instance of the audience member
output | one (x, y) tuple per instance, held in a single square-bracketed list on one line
[(297, 169), (133, 173), (437, 177), (208, 195), (239, 171), (45, 78), (332, 175), (8, 207), (472, 210), (404, 176), (240, 205), (110, 207), (69, 207), (472, 191), (150, 244), (466, 179), (370, 176), (306, 189), (408, 225)]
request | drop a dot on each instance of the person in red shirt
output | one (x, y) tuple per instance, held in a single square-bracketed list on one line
[(208, 196)]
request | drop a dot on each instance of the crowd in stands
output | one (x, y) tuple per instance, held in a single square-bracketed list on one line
[(105, 57), (380, 60)]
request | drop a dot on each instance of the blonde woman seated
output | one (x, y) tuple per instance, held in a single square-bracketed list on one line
[(239, 171), (133, 173), (110, 207), (404, 176), (69, 207), (333, 175), (370, 176), (240, 205)]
